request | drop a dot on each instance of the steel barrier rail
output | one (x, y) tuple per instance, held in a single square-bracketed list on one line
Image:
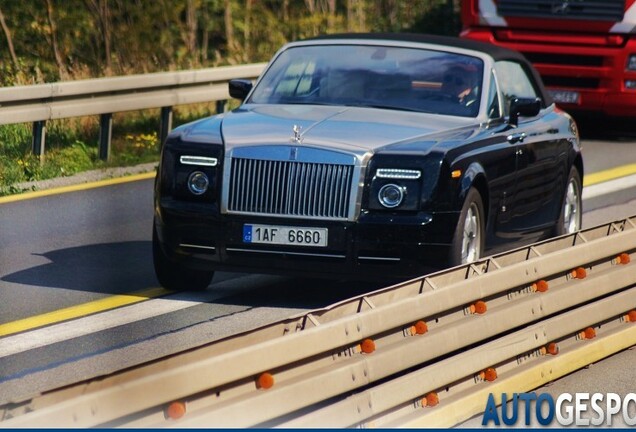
[(410, 389), (396, 354), (104, 96), (538, 369), (21, 104), (320, 356)]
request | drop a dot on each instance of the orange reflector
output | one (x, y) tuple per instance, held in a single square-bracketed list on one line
[(540, 286), (175, 410), (579, 273), (490, 374), (420, 327), (631, 316), (456, 174), (623, 259), (553, 348), (430, 400), (265, 381), (588, 333), (479, 307), (367, 346)]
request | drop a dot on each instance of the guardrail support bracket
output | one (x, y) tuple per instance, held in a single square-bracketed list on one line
[(165, 124), (105, 135), (39, 138), (220, 106)]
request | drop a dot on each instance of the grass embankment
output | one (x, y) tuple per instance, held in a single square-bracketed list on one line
[(72, 146)]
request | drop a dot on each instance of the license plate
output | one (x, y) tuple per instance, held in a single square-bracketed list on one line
[(285, 235), (565, 96)]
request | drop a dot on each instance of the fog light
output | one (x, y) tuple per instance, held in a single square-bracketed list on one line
[(630, 84), (391, 195), (198, 183), (631, 62)]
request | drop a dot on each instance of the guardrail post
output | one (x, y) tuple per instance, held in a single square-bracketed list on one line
[(165, 124), (39, 138), (220, 106), (105, 135)]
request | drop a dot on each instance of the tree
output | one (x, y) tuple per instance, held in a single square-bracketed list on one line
[(59, 58), (101, 13), (116, 37), (7, 34)]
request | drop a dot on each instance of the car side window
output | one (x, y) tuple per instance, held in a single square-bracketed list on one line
[(494, 108), (513, 82)]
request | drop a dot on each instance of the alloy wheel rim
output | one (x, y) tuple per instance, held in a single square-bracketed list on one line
[(471, 239), (571, 209)]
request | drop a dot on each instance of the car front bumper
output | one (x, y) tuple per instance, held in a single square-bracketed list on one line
[(375, 246)]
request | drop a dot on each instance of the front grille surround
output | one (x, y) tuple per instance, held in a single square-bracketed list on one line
[(292, 182), (564, 59)]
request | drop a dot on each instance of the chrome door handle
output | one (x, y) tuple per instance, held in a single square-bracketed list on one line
[(516, 137)]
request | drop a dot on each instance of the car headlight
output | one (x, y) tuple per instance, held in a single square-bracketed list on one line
[(391, 195), (396, 189), (631, 62), (198, 183)]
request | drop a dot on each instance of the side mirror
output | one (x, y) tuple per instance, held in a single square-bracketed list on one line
[(240, 88), (523, 107)]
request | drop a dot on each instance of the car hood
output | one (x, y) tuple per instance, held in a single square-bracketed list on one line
[(357, 130)]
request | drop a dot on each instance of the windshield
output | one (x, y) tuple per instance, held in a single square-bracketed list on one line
[(374, 76)]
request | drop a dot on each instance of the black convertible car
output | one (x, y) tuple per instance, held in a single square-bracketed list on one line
[(368, 156)]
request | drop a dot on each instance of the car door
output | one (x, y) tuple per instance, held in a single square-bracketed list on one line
[(499, 161), (539, 171), (539, 178)]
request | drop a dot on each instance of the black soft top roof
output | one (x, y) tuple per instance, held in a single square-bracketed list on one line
[(494, 51)]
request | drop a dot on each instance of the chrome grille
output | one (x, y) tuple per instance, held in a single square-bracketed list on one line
[(290, 188)]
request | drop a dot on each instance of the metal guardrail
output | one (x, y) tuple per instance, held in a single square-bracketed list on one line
[(104, 96), (422, 353)]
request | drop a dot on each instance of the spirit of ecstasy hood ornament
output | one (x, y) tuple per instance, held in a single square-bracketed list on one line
[(297, 138)]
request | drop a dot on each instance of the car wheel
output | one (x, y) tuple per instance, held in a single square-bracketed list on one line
[(468, 240), (571, 214), (174, 276)]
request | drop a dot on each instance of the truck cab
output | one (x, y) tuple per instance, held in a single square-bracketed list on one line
[(585, 50)]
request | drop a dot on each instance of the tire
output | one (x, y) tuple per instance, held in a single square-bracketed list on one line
[(571, 214), (469, 236), (174, 276)]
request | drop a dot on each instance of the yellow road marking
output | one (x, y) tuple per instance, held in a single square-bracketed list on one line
[(610, 174), (78, 187), (80, 310)]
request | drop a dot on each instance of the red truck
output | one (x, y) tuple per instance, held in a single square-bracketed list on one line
[(585, 50)]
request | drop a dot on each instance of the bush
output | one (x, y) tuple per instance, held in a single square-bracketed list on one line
[(15, 140), (68, 161), (135, 148)]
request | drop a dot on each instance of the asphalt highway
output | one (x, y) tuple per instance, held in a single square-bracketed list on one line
[(70, 261)]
